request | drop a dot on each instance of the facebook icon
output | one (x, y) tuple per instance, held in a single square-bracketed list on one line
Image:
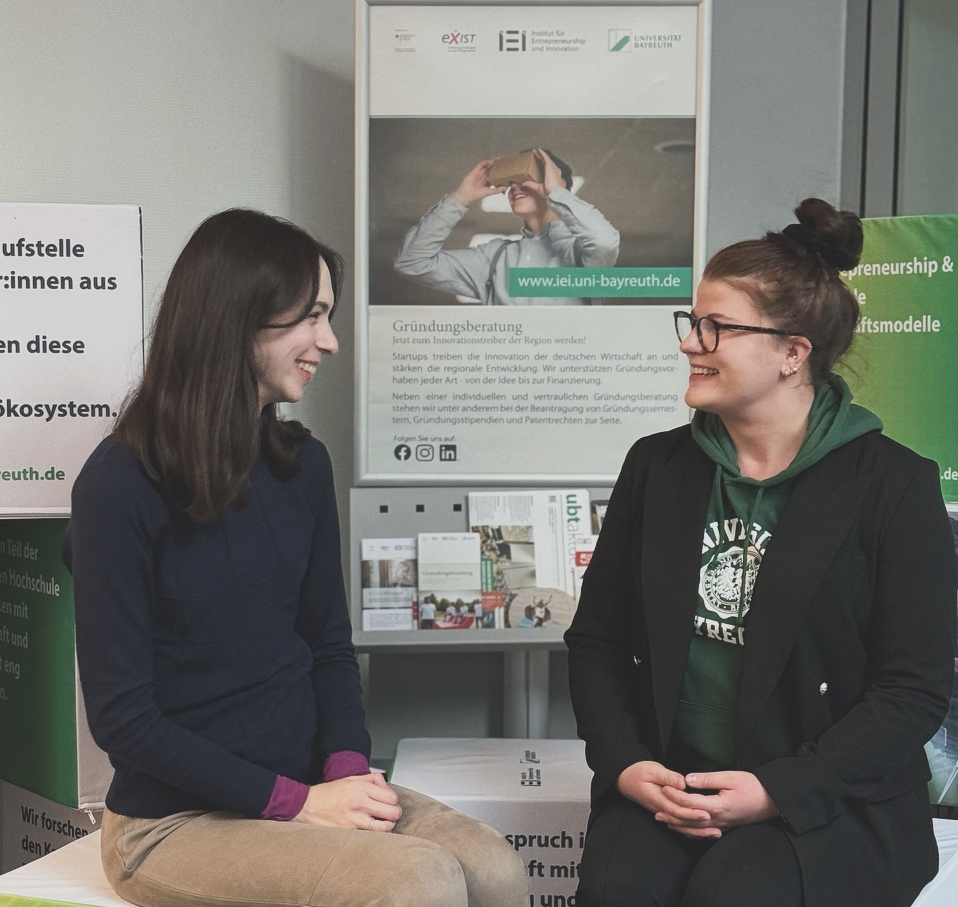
[(402, 452)]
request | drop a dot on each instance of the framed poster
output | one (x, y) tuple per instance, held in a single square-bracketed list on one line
[(71, 343), (529, 191), (903, 365)]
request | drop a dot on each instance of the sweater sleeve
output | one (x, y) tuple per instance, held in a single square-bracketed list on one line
[(118, 518), (287, 800), (323, 622), (422, 257), (598, 240)]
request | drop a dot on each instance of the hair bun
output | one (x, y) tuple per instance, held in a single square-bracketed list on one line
[(835, 236)]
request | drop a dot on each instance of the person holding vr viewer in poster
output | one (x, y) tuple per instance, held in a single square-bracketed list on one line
[(559, 230), (765, 635), (212, 630)]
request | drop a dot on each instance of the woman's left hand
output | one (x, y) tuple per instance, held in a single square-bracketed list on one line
[(740, 799)]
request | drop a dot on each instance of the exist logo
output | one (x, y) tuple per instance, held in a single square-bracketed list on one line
[(458, 38), (620, 40), (512, 39)]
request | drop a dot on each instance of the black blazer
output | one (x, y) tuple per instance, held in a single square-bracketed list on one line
[(848, 662)]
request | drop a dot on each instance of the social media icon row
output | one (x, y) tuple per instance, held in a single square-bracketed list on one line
[(448, 453)]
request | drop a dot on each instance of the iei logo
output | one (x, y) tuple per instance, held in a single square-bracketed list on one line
[(512, 40)]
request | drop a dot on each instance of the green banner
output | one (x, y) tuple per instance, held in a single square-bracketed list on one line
[(598, 282), (904, 363), (37, 674)]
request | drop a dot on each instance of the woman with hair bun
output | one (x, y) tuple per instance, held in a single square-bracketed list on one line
[(765, 636), (212, 631)]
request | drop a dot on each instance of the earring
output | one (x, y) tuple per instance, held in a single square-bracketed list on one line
[(788, 372)]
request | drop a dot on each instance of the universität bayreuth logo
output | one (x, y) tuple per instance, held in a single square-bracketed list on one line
[(620, 40)]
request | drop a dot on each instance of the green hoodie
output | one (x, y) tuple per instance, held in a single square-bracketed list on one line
[(704, 734)]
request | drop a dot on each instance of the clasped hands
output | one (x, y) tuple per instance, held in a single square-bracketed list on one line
[(365, 802), (739, 798)]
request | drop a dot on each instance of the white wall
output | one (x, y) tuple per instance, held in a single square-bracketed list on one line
[(185, 107)]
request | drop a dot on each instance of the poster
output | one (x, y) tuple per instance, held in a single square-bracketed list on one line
[(527, 207), (904, 363), (35, 826), (71, 328), (47, 745)]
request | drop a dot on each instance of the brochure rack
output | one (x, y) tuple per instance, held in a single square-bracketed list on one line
[(399, 512), (395, 511)]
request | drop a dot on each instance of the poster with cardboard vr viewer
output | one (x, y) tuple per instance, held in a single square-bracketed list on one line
[(464, 211), (459, 358)]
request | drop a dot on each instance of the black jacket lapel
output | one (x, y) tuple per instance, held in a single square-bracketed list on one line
[(821, 510), (676, 503)]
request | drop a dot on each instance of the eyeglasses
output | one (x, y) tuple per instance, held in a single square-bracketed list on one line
[(708, 329)]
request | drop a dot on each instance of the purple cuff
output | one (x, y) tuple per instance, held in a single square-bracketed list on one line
[(344, 764), (287, 799)]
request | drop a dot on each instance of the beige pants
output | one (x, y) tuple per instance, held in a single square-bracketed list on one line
[(435, 857)]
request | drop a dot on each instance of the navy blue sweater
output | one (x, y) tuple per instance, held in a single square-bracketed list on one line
[(212, 657)]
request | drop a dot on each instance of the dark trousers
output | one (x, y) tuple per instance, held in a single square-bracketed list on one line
[(630, 860)]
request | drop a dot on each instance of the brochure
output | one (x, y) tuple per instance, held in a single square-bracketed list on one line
[(388, 573), (529, 536), (388, 619), (450, 583), (598, 514), (584, 546), (528, 543)]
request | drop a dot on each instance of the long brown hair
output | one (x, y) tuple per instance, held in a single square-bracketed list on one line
[(194, 422)]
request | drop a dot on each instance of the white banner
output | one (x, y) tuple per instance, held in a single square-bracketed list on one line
[(514, 318), (71, 328), (533, 61)]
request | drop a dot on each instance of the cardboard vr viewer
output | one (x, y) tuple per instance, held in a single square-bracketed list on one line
[(516, 168)]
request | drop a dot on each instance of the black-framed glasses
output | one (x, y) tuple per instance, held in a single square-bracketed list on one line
[(708, 329)]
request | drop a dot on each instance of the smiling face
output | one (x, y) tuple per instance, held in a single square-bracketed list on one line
[(286, 358), (527, 199), (744, 376)]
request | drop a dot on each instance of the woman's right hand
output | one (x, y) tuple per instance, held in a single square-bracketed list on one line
[(642, 782), (646, 782), (365, 802)]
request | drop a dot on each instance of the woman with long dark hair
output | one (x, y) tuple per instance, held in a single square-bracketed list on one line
[(765, 635), (213, 636)]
